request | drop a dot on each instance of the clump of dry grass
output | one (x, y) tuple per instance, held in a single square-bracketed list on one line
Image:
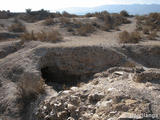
[(85, 29), (28, 90), (111, 21), (65, 22), (106, 27), (17, 27), (152, 35), (66, 14), (49, 21), (146, 30), (124, 13), (53, 36), (151, 21), (126, 37)]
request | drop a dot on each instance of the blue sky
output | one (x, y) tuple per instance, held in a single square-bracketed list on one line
[(21, 5)]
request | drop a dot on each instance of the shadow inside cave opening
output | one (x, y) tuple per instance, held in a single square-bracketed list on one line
[(62, 80)]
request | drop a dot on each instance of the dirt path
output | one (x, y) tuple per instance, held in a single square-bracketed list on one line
[(100, 37)]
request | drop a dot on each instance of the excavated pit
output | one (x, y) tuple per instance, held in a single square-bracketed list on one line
[(62, 80)]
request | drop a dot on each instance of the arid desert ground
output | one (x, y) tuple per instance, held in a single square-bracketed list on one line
[(99, 66)]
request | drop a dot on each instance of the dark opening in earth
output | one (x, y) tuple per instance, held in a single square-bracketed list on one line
[(61, 80)]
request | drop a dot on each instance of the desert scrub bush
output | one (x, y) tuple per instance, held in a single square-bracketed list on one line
[(49, 21), (28, 36), (146, 30), (33, 16), (152, 21), (85, 29), (5, 14), (111, 20), (65, 21), (126, 37), (106, 27), (152, 35), (29, 89), (124, 13), (17, 27), (53, 36), (66, 14)]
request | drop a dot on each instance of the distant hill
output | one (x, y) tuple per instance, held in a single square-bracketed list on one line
[(132, 9)]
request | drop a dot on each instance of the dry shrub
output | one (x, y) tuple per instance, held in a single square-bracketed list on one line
[(135, 37), (5, 14), (124, 13), (152, 21), (49, 21), (152, 35), (126, 37), (106, 27), (65, 21), (53, 36), (66, 14), (28, 89), (85, 29), (146, 30), (17, 27), (28, 36), (111, 21), (70, 29), (33, 16), (129, 64)]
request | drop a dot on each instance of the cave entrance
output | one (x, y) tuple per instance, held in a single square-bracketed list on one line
[(60, 80)]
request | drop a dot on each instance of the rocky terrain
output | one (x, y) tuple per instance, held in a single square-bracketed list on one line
[(80, 78)]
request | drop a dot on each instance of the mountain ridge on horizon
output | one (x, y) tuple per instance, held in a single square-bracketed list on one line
[(134, 9)]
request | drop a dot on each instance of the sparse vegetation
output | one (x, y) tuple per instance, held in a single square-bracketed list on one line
[(124, 13), (85, 29), (53, 36), (152, 35), (28, 90), (5, 14), (126, 37), (111, 21), (146, 30), (49, 21), (148, 23), (17, 27)]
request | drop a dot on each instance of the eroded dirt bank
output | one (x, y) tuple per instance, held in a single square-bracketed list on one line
[(87, 82)]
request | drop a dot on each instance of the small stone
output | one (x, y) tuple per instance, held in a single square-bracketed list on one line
[(44, 107), (113, 112), (74, 88), (119, 73), (95, 82), (62, 115), (103, 103), (71, 107), (75, 100), (111, 89), (70, 118), (94, 98), (129, 101), (66, 92)]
